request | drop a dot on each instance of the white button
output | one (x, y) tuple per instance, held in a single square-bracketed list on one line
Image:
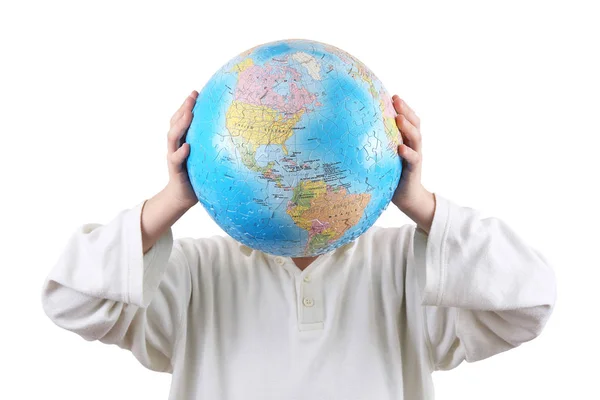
[(308, 302), (279, 260), (307, 278)]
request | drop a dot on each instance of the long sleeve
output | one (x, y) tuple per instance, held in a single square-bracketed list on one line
[(104, 288), (483, 290)]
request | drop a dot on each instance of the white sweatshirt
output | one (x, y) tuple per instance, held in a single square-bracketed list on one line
[(370, 320)]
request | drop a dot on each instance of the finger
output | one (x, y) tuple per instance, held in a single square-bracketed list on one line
[(409, 155), (176, 116), (188, 104), (404, 109), (177, 158), (401, 106), (191, 98), (410, 133), (177, 131)]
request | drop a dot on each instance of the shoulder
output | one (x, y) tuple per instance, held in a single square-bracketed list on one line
[(208, 248), (378, 237), (383, 253), (220, 251)]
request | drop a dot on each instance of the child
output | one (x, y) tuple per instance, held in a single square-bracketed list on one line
[(370, 320)]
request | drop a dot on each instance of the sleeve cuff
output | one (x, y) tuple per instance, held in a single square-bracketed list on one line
[(430, 254), (145, 271)]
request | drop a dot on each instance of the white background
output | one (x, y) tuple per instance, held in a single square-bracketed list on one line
[(508, 95)]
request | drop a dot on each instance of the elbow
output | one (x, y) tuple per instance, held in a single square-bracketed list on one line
[(543, 315), (50, 303), (59, 307), (542, 300), (540, 315), (525, 324), (90, 317)]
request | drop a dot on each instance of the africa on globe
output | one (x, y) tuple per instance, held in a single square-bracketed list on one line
[(293, 148)]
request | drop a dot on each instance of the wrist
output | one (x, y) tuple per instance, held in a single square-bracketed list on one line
[(159, 213), (174, 201), (420, 208), (407, 204), (163, 209)]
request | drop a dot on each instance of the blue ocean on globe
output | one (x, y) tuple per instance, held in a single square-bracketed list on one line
[(293, 148)]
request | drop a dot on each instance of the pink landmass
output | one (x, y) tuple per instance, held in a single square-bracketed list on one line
[(255, 86), (317, 227), (388, 110)]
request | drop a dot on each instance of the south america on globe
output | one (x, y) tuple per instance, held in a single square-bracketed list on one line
[(294, 148)]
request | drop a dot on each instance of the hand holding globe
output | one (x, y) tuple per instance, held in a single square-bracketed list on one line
[(161, 211), (177, 152)]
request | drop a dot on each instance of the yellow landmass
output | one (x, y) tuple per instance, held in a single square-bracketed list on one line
[(390, 128), (252, 126), (241, 66), (392, 132), (297, 216), (329, 232), (316, 188), (309, 190)]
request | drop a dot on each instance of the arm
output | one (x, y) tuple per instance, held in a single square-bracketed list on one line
[(126, 282), (104, 288), (484, 291), (159, 214)]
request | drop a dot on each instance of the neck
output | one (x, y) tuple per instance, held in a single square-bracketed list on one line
[(303, 262)]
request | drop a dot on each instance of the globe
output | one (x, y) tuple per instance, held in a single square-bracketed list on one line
[(293, 148)]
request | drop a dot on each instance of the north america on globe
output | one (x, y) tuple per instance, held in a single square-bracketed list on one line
[(293, 148)]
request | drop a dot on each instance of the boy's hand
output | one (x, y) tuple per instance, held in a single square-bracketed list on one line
[(410, 195), (179, 186)]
